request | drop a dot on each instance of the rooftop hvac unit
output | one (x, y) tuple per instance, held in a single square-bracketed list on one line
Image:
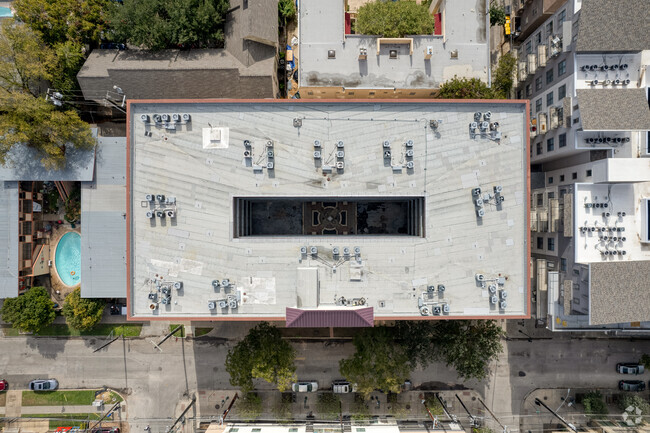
[(269, 165), (317, 144), (269, 154), (473, 126), (160, 197), (492, 288), (247, 143), (441, 288), (313, 251), (387, 154), (346, 251), (386, 144), (424, 310), (503, 294), (269, 144), (523, 71), (477, 116), (186, 117), (431, 289), (326, 168), (165, 117), (532, 63), (339, 144), (153, 296), (494, 300), (476, 192), (494, 126), (501, 281), (156, 118), (624, 66), (626, 82), (160, 214), (178, 285), (479, 202), (357, 251), (410, 165), (485, 126), (150, 214), (594, 82), (437, 310), (410, 153), (553, 116), (614, 67), (335, 251), (225, 283), (487, 116), (340, 165), (480, 212), (606, 83), (541, 122), (317, 154), (606, 214), (144, 118), (247, 153), (340, 154), (303, 250), (216, 284), (223, 303), (409, 143), (165, 300), (479, 277), (150, 197), (541, 56), (170, 213), (503, 304), (176, 117), (445, 308), (498, 189), (233, 304), (153, 306), (212, 305)]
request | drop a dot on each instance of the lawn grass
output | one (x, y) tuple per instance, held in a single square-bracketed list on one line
[(66, 419), (10, 332), (62, 330), (115, 397), (198, 332), (58, 398), (180, 333)]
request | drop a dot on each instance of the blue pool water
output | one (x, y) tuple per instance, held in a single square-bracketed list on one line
[(5, 12), (67, 258)]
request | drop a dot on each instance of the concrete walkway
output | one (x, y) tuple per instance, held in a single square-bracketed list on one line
[(29, 410)]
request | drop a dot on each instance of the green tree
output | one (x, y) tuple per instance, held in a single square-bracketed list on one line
[(286, 11), (70, 58), (328, 405), (160, 24), (32, 121), (497, 15), (31, 311), (469, 345), (25, 60), (594, 404), (61, 21), (465, 88), (82, 313), (634, 401), (249, 407), (360, 410), (504, 75), (645, 360), (262, 354), (394, 19), (378, 363)]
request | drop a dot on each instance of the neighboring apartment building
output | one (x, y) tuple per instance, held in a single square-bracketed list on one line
[(245, 68), (583, 65), (335, 63), (327, 213)]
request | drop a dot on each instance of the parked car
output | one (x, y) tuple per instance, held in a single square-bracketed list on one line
[(631, 385), (629, 368), (3, 385), (305, 386), (43, 385), (341, 387), (105, 430)]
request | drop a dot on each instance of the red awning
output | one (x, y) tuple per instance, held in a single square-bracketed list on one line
[(343, 318)]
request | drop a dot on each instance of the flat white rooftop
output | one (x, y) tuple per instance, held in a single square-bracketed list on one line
[(235, 219)]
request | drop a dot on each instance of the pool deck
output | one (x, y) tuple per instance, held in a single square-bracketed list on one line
[(59, 289)]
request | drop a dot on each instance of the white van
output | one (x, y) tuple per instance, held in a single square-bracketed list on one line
[(341, 387)]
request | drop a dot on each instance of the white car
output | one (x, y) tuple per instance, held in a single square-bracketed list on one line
[(342, 387), (43, 385), (305, 386)]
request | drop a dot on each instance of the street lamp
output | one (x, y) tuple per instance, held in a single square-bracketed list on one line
[(530, 339)]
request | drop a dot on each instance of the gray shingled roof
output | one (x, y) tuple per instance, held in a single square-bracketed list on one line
[(24, 163), (103, 225), (620, 25), (8, 239), (251, 30), (619, 292), (614, 110)]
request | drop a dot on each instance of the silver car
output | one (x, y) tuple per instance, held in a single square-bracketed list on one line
[(305, 386), (629, 368), (43, 385)]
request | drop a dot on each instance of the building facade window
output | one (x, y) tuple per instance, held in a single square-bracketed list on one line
[(539, 148), (529, 91), (540, 243), (538, 83), (561, 178), (563, 264), (549, 99), (549, 76), (538, 105), (561, 68), (550, 144), (561, 17), (588, 173), (574, 175), (561, 92), (520, 94), (549, 28), (551, 244), (538, 38), (550, 180), (529, 47), (561, 142)]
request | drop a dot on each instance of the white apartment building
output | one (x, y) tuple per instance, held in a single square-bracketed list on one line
[(583, 64)]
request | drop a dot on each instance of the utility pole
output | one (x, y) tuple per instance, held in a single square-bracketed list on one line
[(471, 417), (538, 402), (189, 406)]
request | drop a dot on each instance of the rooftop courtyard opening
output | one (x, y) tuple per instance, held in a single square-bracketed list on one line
[(329, 216)]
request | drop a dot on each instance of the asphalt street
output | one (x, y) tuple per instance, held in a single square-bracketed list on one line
[(156, 381)]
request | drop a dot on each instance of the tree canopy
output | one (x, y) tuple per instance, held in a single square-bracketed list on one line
[(394, 19), (160, 24), (82, 313), (31, 311), (465, 88), (262, 354), (378, 362), (28, 120)]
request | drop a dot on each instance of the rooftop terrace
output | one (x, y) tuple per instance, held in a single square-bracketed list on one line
[(327, 205)]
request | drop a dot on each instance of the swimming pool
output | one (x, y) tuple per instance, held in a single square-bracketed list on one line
[(5, 12), (67, 258)]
